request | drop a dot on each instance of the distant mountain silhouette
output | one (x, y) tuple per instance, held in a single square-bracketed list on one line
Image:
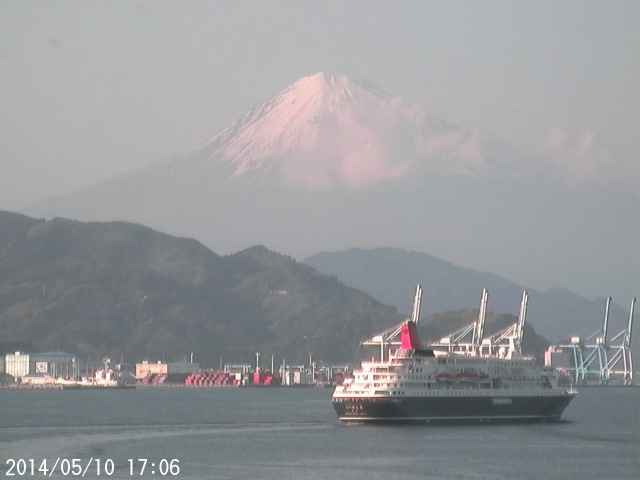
[(388, 274)]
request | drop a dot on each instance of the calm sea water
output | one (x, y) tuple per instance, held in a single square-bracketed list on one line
[(294, 434)]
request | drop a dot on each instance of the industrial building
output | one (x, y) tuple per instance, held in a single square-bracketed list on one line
[(160, 371), (146, 369), (49, 364), (16, 364)]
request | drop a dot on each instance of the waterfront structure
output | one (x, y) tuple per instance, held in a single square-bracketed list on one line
[(597, 360), (37, 379), (471, 340), (16, 364), (242, 368), (296, 375), (55, 364), (182, 367), (50, 364), (146, 369)]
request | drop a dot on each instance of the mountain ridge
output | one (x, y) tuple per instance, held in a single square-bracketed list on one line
[(123, 289), (388, 273), (326, 131)]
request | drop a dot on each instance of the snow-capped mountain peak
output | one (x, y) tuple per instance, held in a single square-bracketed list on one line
[(327, 130)]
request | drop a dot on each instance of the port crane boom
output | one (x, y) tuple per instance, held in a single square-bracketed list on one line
[(389, 336)]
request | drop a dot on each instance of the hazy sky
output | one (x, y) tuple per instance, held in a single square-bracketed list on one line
[(89, 90)]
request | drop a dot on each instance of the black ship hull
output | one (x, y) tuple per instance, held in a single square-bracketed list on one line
[(453, 409)]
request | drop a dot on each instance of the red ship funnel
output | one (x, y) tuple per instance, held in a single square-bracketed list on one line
[(409, 339)]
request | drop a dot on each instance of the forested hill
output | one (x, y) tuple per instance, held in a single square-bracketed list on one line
[(122, 289)]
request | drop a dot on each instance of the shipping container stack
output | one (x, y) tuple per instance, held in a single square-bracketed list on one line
[(211, 378), (154, 380), (258, 378), (264, 378)]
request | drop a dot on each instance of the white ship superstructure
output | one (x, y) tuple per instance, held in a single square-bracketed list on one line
[(481, 381)]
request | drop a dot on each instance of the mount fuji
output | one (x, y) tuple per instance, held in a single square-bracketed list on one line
[(326, 154), (329, 131), (331, 163)]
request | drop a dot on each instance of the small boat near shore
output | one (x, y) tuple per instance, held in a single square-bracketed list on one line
[(104, 378)]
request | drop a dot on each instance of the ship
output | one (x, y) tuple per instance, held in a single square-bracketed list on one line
[(101, 379), (483, 381)]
